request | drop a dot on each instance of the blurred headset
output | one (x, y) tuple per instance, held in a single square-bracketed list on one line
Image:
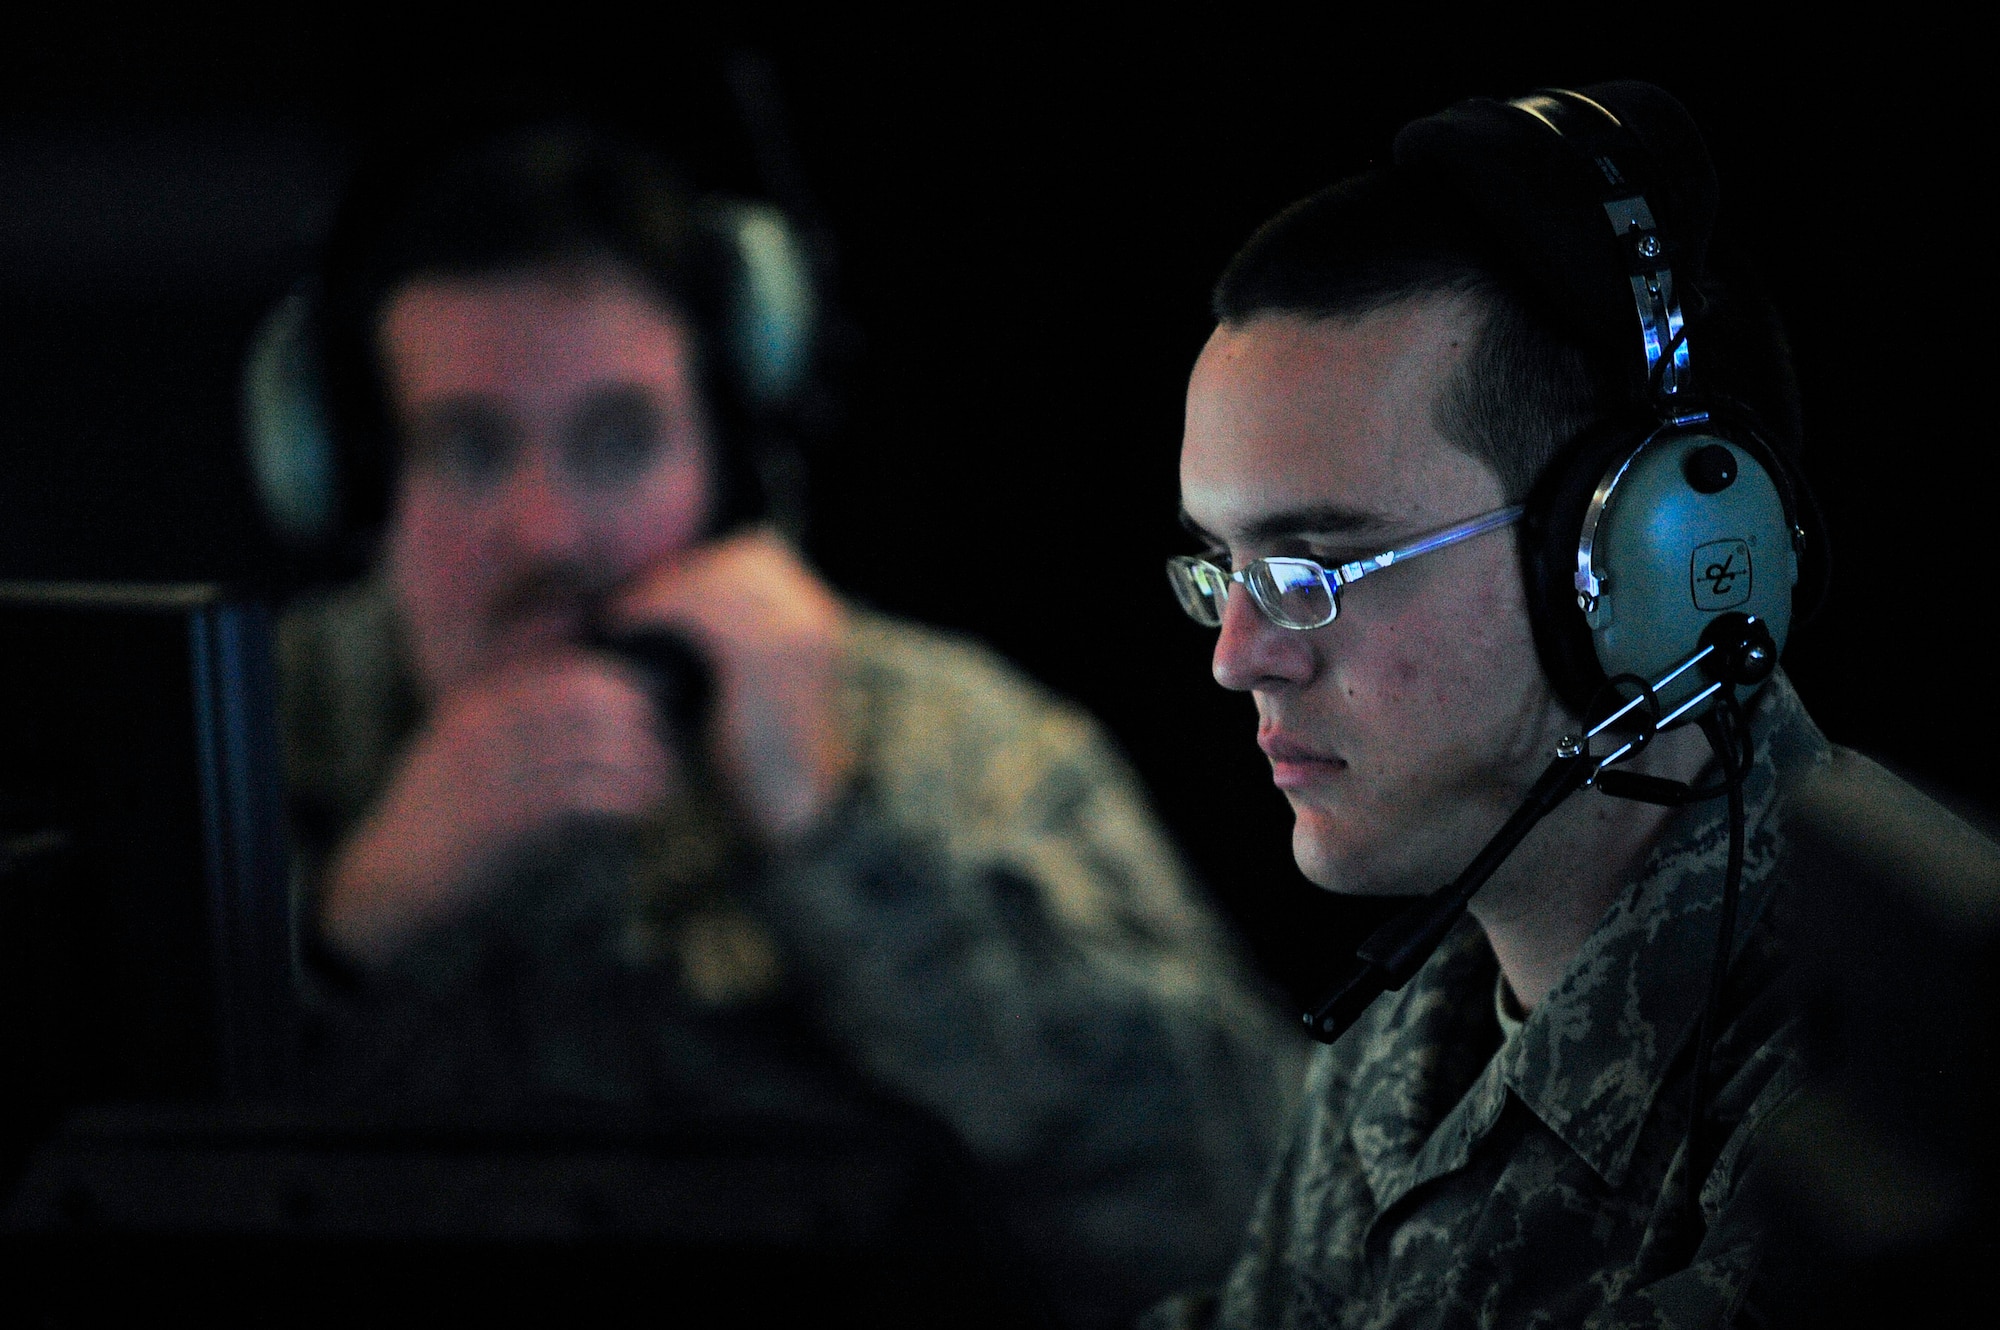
[(1654, 522), (313, 489)]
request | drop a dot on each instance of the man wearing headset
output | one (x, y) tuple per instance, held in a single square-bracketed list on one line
[(1503, 1140), (875, 862)]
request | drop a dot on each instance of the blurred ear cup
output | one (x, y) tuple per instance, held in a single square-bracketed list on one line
[(305, 477), (773, 310), (294, 467)]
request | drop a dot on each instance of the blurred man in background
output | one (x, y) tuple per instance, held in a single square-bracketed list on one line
[(605, 798)]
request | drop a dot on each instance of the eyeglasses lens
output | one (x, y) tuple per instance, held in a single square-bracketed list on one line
[(1201, 588), (1294, 592)]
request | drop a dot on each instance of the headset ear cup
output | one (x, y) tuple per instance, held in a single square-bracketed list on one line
[(287, 436), (762, 359), (1551, 529), (1643, 534), (772, 309)]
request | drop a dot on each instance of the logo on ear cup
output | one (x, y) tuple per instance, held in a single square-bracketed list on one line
[(1719, 574)]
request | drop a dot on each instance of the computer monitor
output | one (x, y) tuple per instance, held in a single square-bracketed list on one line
[(144, 919)]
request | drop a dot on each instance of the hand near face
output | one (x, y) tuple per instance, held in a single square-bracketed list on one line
[(772, 633), (567, 734)]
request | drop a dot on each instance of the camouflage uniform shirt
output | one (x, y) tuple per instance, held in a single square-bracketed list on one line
[(991, 928), (1442, 1177)]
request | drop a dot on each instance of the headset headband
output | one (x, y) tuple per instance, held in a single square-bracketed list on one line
[(1598, 134)]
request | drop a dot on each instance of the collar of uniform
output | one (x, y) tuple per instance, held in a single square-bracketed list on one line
[(1590, 1060), (1412, 1058)]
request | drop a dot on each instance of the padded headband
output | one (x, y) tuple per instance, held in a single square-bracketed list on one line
[(1591, 217)]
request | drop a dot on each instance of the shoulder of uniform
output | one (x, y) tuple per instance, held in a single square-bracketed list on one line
[(935, 701), (918, 657), (959, 747), (1854, 818)]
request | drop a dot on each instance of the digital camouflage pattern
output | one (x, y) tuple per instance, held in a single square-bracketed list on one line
[(992, 928), (1440, 1177)]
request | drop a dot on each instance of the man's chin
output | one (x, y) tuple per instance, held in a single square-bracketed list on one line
[(1347, 866)]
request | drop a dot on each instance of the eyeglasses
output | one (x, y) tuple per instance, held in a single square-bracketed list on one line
[(1304, 593)]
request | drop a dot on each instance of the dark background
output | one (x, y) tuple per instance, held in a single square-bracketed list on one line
[(1024, 219)]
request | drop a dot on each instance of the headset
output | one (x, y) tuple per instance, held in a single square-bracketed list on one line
[(1677, 510), (309, 485), (1664, 537)]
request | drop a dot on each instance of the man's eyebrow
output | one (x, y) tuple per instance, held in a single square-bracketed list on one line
[(1295, 522), (1194, 528)]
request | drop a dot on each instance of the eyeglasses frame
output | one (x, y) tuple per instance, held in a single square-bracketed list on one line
[(1346, 574)]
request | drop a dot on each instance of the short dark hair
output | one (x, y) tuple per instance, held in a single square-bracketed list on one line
[(1530, 383), (528, 198)]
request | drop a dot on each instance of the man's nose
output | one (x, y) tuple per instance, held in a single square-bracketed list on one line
[(1252, 652), (541, 516)]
